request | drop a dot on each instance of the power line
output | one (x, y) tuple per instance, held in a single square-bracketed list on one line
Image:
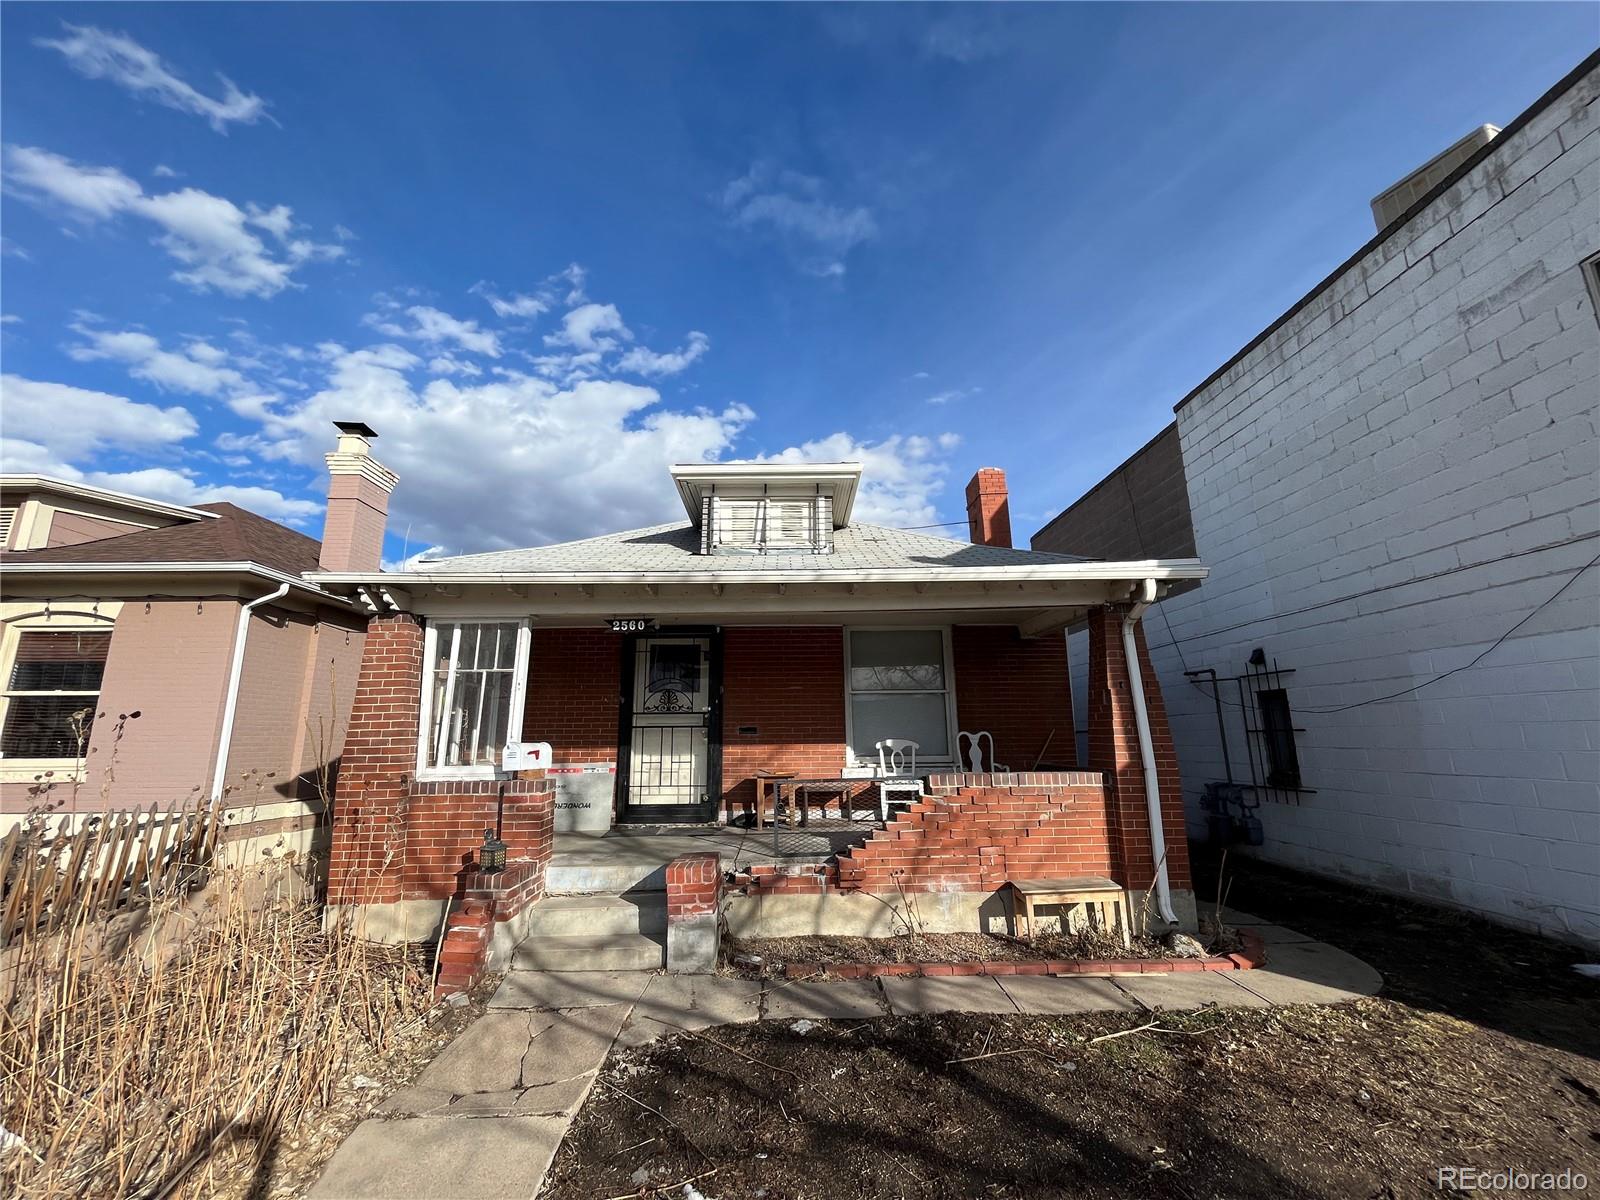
[(1388, 587), (1215, 694)]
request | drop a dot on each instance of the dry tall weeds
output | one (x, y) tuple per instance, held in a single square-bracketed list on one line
[(165, 1053)]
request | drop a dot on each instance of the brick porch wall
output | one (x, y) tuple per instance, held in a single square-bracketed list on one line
[(1019, 690), (788, 684), (574, 681), (380, 755), (977, 831), (1114, 750), (395, 838)]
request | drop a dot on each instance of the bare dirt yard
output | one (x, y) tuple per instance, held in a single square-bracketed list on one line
[(1481, 1052)]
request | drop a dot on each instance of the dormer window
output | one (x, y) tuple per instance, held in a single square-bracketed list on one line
[(769, 524), (767, 508)]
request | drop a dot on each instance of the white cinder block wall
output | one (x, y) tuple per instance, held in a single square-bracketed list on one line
[(1390, 481)]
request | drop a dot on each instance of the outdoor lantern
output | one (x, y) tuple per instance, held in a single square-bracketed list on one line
[(493, 855)]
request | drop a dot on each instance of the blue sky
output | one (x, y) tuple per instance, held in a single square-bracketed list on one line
[(545, 250)]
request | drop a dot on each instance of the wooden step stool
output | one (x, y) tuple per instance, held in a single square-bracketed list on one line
[(1102, 894)]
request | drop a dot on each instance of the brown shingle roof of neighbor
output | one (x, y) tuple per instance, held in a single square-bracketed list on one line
[(239, 536)]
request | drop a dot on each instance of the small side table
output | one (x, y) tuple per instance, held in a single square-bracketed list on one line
[(766, 780), (1108, 898)]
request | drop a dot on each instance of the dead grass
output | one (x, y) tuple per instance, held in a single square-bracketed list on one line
[(166, 1054)]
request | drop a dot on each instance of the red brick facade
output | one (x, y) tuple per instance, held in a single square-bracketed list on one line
[(694, 884), (574, 688), (989, 508), (788, 685), (976, 832), (380, 754), (1114, 749), (395, 838), (1018, 689)]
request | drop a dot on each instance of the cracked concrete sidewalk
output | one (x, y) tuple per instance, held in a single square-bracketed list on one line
[(484, 1119)]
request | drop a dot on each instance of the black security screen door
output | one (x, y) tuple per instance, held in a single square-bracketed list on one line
[(671, 759)]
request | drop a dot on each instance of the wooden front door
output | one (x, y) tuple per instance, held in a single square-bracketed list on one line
[(673, 729)]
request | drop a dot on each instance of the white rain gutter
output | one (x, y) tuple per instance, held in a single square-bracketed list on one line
[(1147, 751), (231, 707)]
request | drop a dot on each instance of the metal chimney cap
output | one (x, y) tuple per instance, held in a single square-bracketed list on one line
[(359, 428)]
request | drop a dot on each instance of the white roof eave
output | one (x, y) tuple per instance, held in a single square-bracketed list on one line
[(1088, 572), (307, 583)]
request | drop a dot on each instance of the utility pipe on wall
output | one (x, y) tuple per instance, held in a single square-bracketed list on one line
[(1147, 752), (230, 706)]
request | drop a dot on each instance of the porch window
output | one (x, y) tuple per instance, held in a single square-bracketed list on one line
[(472, 696), (52, 692), (899, 687)]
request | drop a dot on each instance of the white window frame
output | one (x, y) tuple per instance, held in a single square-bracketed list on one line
[(519, 686), (868, 767), (8, 694), (762, 540)]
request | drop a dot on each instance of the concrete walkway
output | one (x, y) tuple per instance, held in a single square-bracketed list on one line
[(484, 1119)]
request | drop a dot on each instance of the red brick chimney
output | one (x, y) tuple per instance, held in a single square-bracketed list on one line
[(989, 508), (358, 502)]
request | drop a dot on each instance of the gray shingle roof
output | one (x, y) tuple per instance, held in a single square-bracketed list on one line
[(676, 547)]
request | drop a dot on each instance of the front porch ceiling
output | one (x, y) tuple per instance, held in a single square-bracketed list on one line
[(1035, 607)]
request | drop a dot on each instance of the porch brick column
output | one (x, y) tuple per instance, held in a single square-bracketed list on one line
[(380, 755), (694, 887), (1114, 749)]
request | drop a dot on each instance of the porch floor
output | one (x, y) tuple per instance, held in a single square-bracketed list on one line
[(622, 860)]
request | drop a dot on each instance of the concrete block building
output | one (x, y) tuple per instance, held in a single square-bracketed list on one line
[(1395, 486)]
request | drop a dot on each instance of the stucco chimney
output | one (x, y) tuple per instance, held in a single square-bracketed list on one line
[(989, 508), (358, 502)]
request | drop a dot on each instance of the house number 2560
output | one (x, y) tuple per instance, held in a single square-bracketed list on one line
[(630, 624)]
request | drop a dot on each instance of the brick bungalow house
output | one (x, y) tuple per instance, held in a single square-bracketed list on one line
[(154, 653), (668, 668)]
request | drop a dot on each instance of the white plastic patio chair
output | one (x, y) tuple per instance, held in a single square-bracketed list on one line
[(973, 759), (897, 769)]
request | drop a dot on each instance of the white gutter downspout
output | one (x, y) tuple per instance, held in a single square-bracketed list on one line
[(231, 706), (1147, 751)]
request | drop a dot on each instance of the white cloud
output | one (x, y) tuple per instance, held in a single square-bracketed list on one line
[(10, 319), (212, 238), (52, 427), (448, 364), (819, 233), (162, 171), (516, 305), (949, 395), (69, 422), (182, 487), (99, 54), (431, 326), (410, 561), (561, 461), (92, 192), (198, 371), (591, 327), (643, 361), (900, 475), (435, 326)]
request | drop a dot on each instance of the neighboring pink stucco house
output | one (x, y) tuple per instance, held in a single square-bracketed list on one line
[(197, 619)]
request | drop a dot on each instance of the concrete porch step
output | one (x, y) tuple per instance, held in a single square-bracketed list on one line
[(591, 952), (638, 912)]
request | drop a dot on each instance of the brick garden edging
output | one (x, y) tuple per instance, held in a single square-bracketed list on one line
[(1253, 956)]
